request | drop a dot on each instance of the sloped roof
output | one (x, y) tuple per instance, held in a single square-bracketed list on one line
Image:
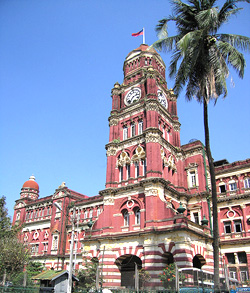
[(51, 275)]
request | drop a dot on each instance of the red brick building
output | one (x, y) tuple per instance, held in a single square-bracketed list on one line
[(137, 218)]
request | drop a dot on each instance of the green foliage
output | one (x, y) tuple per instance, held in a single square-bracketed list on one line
[(32, 269), (143, 277), (201, 55), (13, 253), (5, 222), (168, 276), (87, 276), (116, 140)]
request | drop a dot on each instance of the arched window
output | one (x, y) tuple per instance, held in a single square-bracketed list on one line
[(232, 185), (121, 173), (137, 216), (140, 127), (125, 132), (144, 167), (17, 216), (128, 171), (132, 129), (126, 218), (247, 182), (137, 169)]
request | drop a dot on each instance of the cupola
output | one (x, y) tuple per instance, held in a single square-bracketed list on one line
[(30, 189)]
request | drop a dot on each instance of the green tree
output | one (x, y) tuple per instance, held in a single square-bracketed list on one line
[(13, 253), (168, 277), (200, 62), (32, 269), (5, 222), (87, 275)]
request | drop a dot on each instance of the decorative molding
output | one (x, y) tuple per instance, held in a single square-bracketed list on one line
[(113, 121), (111, 151), (139, 154), (123, 159), (153, 136)]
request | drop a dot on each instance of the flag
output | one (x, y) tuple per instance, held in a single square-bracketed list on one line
[(140, 33)]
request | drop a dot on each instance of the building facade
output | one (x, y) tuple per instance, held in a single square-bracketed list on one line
[(155, 209)]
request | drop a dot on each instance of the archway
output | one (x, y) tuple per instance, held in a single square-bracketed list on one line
[(198, 261), (168, 258), (127, 264)]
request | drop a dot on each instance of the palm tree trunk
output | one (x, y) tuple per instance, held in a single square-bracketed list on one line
[(214, 202)]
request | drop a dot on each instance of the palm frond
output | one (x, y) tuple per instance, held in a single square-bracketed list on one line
[(208, 19), (166, 44), (237, 41), (233, 57)]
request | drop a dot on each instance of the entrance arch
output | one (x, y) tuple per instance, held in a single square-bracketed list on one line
[(168, 258), (198, 261), (127, 264)]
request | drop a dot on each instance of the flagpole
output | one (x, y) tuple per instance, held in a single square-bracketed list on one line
[(143, 39)]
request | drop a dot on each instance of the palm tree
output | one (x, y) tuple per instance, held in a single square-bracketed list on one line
[(200, 62)]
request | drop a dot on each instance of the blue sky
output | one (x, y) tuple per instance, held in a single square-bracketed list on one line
[(59, 61)]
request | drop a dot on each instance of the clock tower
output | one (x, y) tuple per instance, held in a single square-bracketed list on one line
[(144, 128)]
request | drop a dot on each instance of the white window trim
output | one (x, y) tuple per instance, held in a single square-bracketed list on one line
[(125, 132), (193, 173)]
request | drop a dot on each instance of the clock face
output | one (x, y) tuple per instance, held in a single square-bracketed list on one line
[(162, 98), (132, 96)]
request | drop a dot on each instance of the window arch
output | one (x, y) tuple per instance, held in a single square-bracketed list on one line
[(222, 187), (126, 218), (137, 213), (247, 182), (232, 185)]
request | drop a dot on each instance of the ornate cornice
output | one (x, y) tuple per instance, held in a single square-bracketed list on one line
[(152, 135), (232, 197), (113, 121), (111, 150), (152, 105)]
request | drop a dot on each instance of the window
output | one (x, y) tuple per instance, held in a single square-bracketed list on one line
[(232, 273), (230, 258), (232, 186), (167, 135), (98, 211), (34, 248), (196, 218), (227, 227), (140, 127), (126, 218), (144, 167), (237, 226), (91, 213), (242, 257), (18, 216), (121, 172), (137, 169), (128, 171), (55, 242), (137, 217), (45, 247), (85, 214), (125, 133), (192, 179), (243, 274), (247, 182), (223, 188), (132, 129)]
